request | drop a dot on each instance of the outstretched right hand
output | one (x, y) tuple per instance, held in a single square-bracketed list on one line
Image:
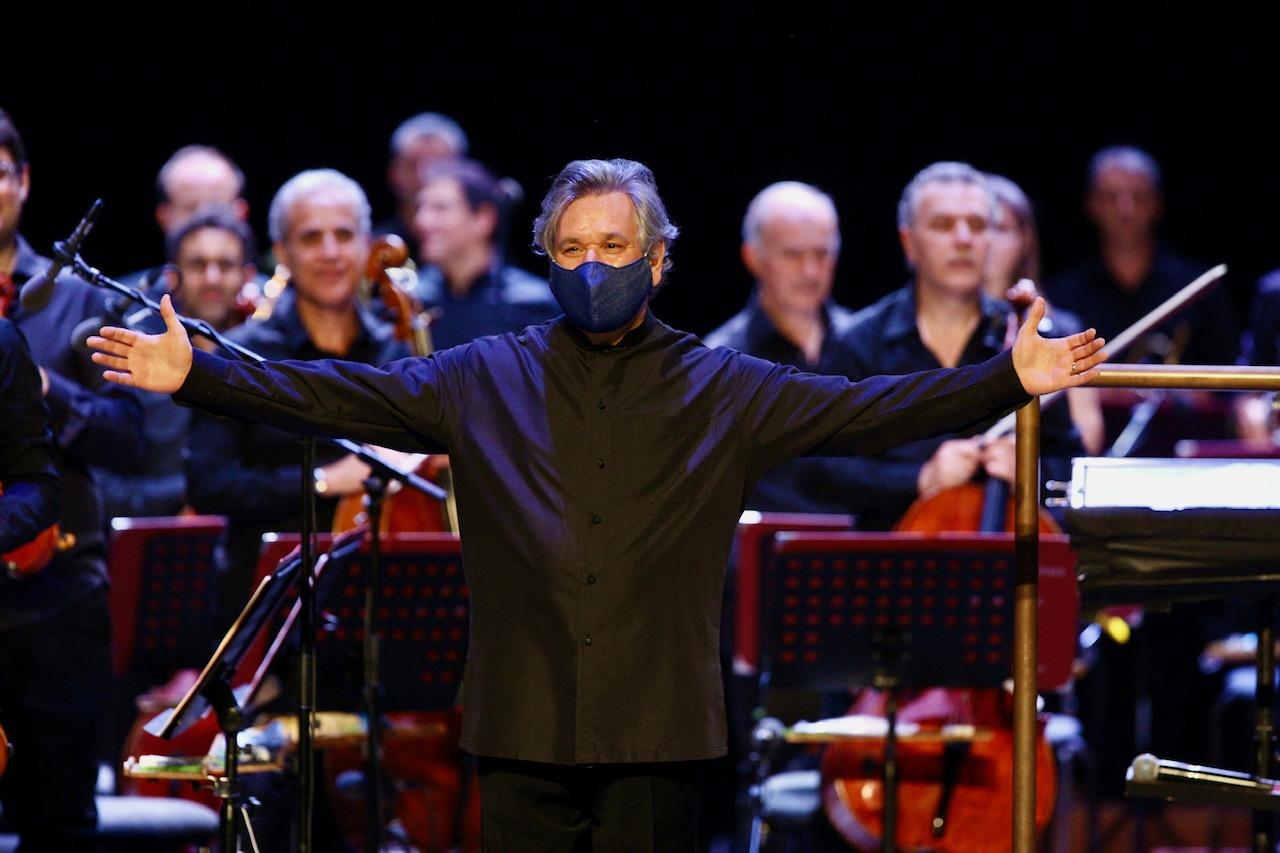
[(150, 362)]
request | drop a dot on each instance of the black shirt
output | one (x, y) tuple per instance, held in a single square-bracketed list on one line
[(1090, 292), (252, 473), (95, 423), (801, 485), (883, 338), (599, 487), (503, 299), (30, 500)]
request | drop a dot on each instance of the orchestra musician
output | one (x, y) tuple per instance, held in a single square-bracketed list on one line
[(1013, 254), (941, 318), (211, 254), (319, 224), (466, 281), (55, 665), (416, 144), (1133, 273), (607, 456)]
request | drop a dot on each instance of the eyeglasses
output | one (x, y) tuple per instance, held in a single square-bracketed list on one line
[(9, 171)]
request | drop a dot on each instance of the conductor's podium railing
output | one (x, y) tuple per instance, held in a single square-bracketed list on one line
[(1026, 593)]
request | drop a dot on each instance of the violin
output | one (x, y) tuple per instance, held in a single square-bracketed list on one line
[(39, 552)]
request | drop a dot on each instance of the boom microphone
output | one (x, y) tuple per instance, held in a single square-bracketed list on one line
[(39, 288)]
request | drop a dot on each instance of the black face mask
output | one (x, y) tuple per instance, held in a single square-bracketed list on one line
[(599, 298)]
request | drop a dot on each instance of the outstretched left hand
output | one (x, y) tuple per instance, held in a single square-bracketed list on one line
[(1045, 365)]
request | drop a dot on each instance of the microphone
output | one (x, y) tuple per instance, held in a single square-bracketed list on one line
[(1147, 768), (39, 288)]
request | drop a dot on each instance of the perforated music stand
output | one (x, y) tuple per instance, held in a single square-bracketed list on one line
[(423, 614), (896, 611)]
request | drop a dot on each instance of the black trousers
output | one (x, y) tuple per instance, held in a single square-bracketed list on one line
[(609, 808), (55, 680)]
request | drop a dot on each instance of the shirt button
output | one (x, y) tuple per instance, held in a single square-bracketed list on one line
[(591, 578), (595, 519), (601, 405), (587, 640), (599, 463)]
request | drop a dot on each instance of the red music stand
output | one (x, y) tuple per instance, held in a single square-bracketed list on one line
[(161, 595), (949, 595)]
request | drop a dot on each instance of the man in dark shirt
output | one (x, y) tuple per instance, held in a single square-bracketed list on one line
[(248, 472), (790, 244), (942, 318), (54, 635), (212, 255), (30, 498), (466, 281), (607, 457), (1133, 274)]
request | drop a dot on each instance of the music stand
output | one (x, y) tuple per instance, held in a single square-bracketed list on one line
[(213, 690), (906, 610)]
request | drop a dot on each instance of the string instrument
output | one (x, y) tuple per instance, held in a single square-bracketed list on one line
[(405, 509), (5, 749), (955, 793), (39, 552)]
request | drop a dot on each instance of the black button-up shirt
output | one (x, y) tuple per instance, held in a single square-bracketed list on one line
[(883, 338), (684, 431)]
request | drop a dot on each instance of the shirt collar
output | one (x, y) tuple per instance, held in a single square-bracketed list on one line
[(631, 339), (901, 319), (28, 262), (284, 316)]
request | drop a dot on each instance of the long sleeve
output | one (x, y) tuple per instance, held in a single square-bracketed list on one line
[(30, 501), (399, 405), (795, 413)]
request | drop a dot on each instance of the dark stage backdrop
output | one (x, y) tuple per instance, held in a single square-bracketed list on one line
[(719, 102)]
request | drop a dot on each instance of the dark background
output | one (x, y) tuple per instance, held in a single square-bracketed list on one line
[(719, 101)]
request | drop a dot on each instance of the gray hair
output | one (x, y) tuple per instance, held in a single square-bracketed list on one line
[(784, 192), (208, 151), (943, 172), (314, 182), (599, 177), (1126, 158), (429, 124)]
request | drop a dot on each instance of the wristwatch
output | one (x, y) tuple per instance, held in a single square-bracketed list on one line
[(320, 480)]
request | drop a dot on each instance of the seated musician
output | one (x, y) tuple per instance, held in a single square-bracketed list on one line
[(319, 223), (1132, 273), (790, 245), (416, 144), (1256, 419), (466, 281), (211, 253), (941, 318), (1013, 254)]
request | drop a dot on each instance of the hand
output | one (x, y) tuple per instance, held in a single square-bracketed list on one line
[(1045, 365), (953, 463), (345, 477), (150, 362), (999, 457)]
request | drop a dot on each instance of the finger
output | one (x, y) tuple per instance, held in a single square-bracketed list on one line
[(170, 316), (104, 345), (112, 361), (119, 378), (1089, 348), (126, 336), (1081, 338), (1034, 315)]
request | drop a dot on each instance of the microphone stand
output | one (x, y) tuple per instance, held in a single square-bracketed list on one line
[(382, 472)]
